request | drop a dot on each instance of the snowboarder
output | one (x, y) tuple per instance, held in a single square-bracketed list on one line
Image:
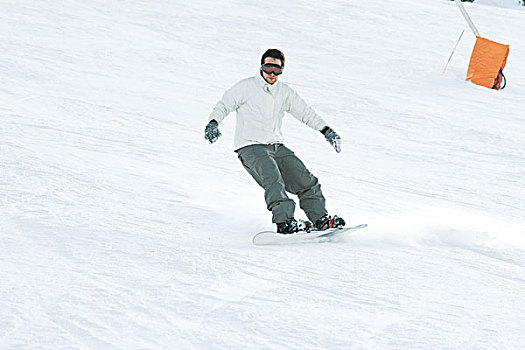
[(260, 103)]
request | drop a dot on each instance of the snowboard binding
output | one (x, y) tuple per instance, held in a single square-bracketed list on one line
[(292, 225)]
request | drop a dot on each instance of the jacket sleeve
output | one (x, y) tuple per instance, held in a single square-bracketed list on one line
[(298, 108), (230, 101)]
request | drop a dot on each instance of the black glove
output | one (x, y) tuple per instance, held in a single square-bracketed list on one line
[(331, 136), (212, 133)]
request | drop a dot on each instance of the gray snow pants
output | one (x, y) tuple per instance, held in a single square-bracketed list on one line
[(278, 170)]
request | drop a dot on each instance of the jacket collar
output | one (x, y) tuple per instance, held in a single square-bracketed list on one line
[(264, 85)]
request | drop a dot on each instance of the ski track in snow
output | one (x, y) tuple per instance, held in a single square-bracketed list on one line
[(123, 229)]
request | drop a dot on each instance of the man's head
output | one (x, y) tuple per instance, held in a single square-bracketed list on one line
[(272, 64)]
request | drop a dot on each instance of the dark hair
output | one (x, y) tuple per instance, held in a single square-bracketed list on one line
[(274, 53)]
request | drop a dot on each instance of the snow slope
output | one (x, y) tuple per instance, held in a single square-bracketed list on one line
[(123, 229), (512, 4)]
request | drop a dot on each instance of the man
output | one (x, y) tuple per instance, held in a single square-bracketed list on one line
[(260, 103)]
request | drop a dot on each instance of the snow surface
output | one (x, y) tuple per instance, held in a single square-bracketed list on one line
[(123, 229), (512, 4)]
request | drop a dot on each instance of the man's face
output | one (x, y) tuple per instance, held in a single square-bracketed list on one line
[(271, 78)]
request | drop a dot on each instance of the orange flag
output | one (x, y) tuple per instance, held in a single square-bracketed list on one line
[(487, 62)]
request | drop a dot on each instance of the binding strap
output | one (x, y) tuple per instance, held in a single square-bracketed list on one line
[(497, 80)]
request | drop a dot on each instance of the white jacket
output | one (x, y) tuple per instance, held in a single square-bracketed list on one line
[(260, 110)]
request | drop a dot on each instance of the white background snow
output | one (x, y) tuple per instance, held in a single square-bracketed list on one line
[(122, 228)]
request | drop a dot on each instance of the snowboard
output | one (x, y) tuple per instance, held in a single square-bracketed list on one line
[(274, 238)]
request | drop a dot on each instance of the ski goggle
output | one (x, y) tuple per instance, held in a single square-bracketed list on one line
[(270, 68)]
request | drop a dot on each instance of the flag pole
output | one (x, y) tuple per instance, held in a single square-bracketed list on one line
[(467, 18)]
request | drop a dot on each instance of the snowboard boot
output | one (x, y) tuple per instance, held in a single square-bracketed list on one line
[(327, 222), (292, 226)]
